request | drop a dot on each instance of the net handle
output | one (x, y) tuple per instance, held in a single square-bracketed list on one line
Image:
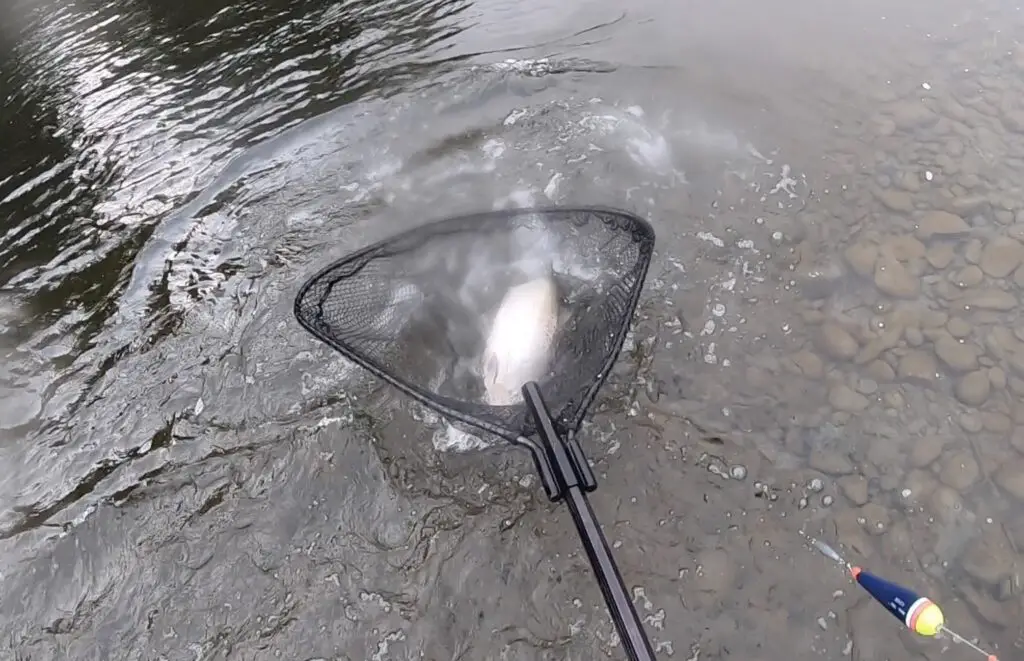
[(566, 474)]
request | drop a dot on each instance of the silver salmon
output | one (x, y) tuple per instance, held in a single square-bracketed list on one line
[(521, 339)]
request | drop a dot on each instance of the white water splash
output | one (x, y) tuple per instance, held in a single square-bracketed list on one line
[(452, 439)]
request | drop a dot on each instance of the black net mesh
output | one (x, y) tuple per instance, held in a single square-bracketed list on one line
[(418, 310)]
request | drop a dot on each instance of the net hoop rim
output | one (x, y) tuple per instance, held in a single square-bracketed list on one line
[(439, 403)]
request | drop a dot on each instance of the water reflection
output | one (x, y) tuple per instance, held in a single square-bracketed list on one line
[(118, 114), (119, 111)]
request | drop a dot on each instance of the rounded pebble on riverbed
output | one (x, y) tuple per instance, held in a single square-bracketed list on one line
[(836, 342), (974, 387), (945, 503), (844, 398), (1001, 257), (958, 327), (941, 224), (855, 488), (1010, 478), (940, 255), (893, 279), (970, 422), (926, 449), (958, 356), (880, 371), (996, 422), (809, 364), (917, 366), (969, 276), (988, 557), (867, 386), (959, 470)]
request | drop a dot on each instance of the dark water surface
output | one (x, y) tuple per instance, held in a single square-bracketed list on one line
[(834, 308)]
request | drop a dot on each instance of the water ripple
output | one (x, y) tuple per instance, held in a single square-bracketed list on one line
[(124, 113)]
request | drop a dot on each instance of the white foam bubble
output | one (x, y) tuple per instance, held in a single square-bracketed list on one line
[(452, 439), (551, 190)]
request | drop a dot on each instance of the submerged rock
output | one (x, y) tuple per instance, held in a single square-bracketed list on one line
[(942, 224), (973, 388), (1011, 478), (959, 470), (958, 356), (836, 342), (893, 278), (1001, 257), (917, 365), (855, 488), (845, 398), (926, 449)]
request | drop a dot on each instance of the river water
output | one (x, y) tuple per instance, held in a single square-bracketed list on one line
[(834, 306)]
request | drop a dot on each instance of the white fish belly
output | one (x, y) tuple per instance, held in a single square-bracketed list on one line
[(519, 346)]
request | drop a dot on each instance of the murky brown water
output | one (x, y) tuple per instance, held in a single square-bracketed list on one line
[(835, 306)]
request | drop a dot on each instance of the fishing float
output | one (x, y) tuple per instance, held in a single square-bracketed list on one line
[(919, 614)]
